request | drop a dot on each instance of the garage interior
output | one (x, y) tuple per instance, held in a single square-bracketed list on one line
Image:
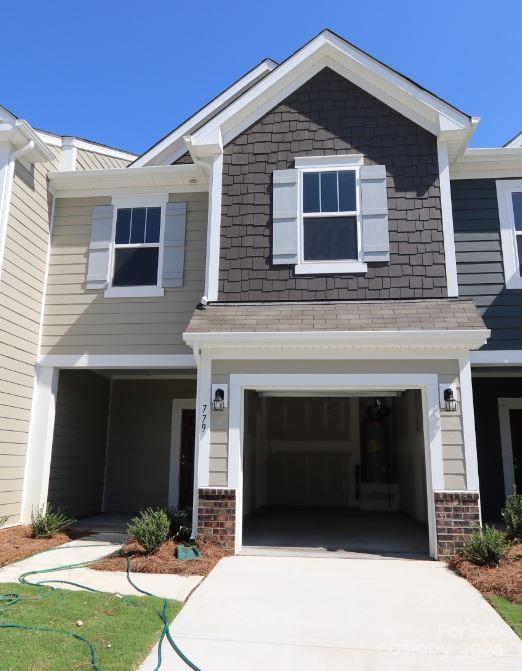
[(338, 473)]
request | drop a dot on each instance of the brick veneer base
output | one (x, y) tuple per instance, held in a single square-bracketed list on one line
[(217, 516), (457, 515)]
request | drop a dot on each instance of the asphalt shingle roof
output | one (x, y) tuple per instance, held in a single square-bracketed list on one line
[(413, 315)]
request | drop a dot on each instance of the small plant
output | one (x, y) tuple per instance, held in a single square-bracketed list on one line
[(180, 524), (512, 515), (47, 522), (3, 520), (486, 546), (150, 528)]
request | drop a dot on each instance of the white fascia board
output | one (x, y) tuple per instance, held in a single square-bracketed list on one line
[(101, 361), (500, 357), (398, 339), (515, 142), (66, 140), (496, 162), (327, 49), (172, 178), (173, 145), (18, 134)]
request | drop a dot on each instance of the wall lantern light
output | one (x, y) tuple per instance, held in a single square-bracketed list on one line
[(450, 402), (219, 397)]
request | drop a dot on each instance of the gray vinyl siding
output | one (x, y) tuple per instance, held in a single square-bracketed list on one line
[(90, 160), (21, 289), (80, 321), (139, 442), (79, 442), (479, 261)]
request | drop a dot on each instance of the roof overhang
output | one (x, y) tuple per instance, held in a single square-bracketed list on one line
[(19, 134), (329, 50), (165, 178), (436, 339), (497, 162)]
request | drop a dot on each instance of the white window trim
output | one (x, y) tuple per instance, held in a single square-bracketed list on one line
[(329, 164), (505, 189), (142, 291), (504, 406)]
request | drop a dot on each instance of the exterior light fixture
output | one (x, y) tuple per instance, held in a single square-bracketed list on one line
[(450, 402), (218, 397)]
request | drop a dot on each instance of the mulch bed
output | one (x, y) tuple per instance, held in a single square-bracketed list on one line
[(163, 560), (503, 580), (17, 543)]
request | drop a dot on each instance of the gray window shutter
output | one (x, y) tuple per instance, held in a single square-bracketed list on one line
[(374, 214), (285, 216), (174, 244), (100, 247)]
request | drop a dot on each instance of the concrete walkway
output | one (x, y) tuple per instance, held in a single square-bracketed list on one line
[(304, 614), (114, 582)]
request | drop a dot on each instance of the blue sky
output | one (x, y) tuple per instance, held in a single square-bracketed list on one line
[(126, 73)]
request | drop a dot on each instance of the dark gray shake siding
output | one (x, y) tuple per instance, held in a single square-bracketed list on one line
[(479, 261), (329, 115)]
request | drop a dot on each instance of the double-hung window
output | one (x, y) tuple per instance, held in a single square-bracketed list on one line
[(509, 196), (137, 249), (329, 231)]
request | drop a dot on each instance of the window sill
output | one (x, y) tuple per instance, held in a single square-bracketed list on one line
[(330, 267), (133, 292)]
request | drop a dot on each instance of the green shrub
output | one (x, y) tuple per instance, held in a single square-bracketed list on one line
[(180, 524), (512, 515), (486, 546), (47, 522), (150, 528)]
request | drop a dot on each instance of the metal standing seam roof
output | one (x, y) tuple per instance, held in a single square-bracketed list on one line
[(421, 315)]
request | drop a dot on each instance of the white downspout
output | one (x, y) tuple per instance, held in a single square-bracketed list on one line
[(6, 189)]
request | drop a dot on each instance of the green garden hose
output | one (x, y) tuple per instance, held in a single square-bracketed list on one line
[(7, 601)]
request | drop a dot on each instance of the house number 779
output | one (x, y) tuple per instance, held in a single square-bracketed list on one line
[(204, 417)]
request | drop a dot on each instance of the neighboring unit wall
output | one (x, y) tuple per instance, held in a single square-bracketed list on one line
[(78, 321), (479, 261), (79, 442), (329, 115), (21, 287), (90, 160), (138, 457)]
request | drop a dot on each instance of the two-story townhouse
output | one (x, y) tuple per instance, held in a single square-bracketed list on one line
[(270, 316)]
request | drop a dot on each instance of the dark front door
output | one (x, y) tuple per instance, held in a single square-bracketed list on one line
[(515, 421), (186, 466)]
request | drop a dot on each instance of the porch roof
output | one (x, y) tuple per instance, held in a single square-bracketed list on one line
[(334, 316)]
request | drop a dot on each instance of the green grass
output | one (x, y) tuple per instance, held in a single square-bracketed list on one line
[(511, 612), (122, 630)]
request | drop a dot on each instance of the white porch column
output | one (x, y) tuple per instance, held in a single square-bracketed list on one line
[(468, 424), (40, 442), (202, 447)]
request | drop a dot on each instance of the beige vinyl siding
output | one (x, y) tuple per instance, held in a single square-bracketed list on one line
[(138, 459), (81, 321), (90, 160), (451, 423), (21, 288), (79, 442)]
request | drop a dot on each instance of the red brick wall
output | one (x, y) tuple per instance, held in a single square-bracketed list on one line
[(457, 515), (217, 516)]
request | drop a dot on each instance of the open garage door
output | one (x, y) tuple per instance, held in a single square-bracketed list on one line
[(344, 472)]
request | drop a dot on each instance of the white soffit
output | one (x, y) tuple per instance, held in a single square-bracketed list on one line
[(496, 162), (329, 50)]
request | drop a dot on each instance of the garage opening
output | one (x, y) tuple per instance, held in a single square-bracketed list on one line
[(342, 472)]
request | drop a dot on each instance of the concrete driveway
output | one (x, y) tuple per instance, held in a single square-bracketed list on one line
[(305, 614)]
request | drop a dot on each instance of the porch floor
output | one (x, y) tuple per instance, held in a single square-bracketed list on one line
[(338, 531), (114, 523)]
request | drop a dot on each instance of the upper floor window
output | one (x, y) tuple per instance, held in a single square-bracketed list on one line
[(509, 195), (136, 247)]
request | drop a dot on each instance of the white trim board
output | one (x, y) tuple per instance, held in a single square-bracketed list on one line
[(447, 219), (117, 361), (178, 405), (496, 357), (508, 234), (427, 383), (504, 406)]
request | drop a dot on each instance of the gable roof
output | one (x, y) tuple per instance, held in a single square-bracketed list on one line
[(515, 142), (325, 50), (172, 146)]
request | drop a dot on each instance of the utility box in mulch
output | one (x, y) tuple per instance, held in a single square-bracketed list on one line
[(187, 552)]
